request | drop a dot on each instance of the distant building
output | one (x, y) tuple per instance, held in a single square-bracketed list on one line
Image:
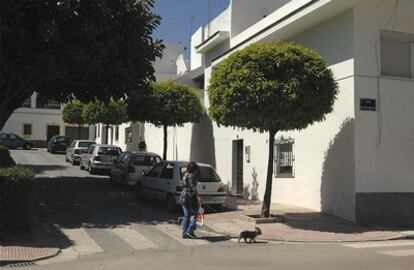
[(39, 118)]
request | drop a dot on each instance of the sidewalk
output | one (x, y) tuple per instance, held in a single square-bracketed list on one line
[(300, 225), (27, 247)]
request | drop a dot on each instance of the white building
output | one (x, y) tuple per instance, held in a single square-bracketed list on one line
[(39, 119), (357, 164)]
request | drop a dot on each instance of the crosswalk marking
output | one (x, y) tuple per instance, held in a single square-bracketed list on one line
[(83, 243), (379, 244), (399, 253), (174, 231), (133, 238)]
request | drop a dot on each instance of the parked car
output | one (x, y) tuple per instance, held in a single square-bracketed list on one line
[(11, 140), (129, 165), (58, 143), (163, 183), (76, 149), (99, 157)]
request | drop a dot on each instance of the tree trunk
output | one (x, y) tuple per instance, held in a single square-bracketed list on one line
[(164, 155), (269, 179), (106, 133), (79, 131)]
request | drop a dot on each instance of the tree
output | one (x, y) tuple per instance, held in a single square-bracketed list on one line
[(171, 104), (70, 48), (270, 88), (111, 113), (72, 114)]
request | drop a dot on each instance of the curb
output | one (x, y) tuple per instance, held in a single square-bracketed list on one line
[(402, 236)]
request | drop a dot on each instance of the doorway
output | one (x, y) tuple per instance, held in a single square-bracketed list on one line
[(237, 170), (52, 130)]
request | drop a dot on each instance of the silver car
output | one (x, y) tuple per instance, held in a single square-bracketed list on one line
[(76, 149), (129, 165), (100, 157)]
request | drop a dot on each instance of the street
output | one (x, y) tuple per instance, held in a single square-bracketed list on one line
[(102, 226)]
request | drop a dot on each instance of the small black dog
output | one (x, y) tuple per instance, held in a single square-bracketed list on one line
[(251, 235)]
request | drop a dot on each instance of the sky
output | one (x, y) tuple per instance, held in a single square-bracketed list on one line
[(176, 17)]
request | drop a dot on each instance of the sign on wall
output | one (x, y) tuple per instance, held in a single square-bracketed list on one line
[(367, 104)]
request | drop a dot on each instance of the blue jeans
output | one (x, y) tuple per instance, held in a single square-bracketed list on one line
[(188, 212)]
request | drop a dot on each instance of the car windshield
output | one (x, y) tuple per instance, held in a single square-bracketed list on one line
[(207, 174), (109, 151), (85, 144)]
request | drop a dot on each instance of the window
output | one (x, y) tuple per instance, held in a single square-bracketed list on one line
[(85, 144), (146, 160), (207, 174), (155, 171), (128, 135), (168, 171), (91, 150), (72, 145), (284, 158), (117, 133), (27, 129), (397, 54), (109, 151), (125, 158)]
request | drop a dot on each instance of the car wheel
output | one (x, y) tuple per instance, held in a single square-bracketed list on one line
[(81, 165), (73, 162), (27, 146), (111, 179), (90, 169), (170, 202), (138, 192), (52, 151)]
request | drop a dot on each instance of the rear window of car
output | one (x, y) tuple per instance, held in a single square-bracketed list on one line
[(207, 174), (62, 139), (85, 144), (109, 151), (146, 160)]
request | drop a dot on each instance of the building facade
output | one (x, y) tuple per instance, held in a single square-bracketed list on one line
[(39, 119), (357, 163)]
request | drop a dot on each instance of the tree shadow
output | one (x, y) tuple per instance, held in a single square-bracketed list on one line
[(202, 142), (338, 174), (42, 168)]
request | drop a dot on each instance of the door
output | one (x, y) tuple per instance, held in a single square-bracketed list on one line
[(150, 182), (166, 181), (52, 130), (237, 170)]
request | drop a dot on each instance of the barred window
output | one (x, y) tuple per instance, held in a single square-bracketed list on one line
[(284, 158)]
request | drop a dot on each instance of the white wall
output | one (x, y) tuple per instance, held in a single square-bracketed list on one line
[(384, 148), (196, 59), (245, 13)]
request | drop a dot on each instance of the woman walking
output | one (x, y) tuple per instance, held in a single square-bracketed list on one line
[(190, 200)]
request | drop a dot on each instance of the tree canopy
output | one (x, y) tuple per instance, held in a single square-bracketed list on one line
[(110, 113), (70, 48), (171, 104), (271, 87), (72, 114)]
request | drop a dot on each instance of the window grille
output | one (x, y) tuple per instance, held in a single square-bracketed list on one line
[(284, 159)]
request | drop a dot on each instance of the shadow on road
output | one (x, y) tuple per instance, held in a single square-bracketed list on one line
[(42, 168)]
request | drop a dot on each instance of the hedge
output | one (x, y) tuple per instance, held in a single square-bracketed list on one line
[(16, 187), (5, 159)]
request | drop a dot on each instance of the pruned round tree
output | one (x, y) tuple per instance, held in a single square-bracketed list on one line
[(72, 114), (270, 88), (170, 104), (110, 113)]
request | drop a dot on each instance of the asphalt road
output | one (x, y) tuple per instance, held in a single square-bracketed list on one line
[(101, 226)]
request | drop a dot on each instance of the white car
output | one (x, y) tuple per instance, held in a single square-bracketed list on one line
[(76, 149), (99, 157), (163, 183)]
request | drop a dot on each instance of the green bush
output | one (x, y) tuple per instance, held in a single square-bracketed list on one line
[(5, 159), (16, 187)]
